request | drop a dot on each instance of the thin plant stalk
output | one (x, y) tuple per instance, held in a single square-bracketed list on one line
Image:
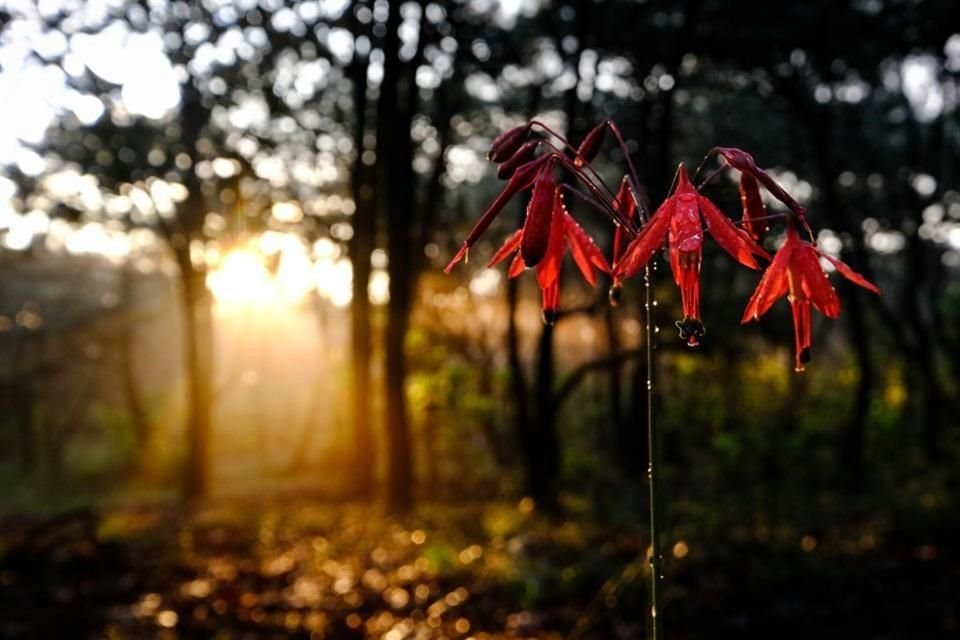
[(653, 470)]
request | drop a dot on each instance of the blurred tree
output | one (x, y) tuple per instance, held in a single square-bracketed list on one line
[(362, 243)]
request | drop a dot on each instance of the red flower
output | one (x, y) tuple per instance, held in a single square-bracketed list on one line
[(564, 233), (679, 220), (754, 211), (533, 172), (626, 204), (796, 273)]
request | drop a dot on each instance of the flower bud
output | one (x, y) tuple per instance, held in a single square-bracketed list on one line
[(590, 146), (507, 143), (522, 156)]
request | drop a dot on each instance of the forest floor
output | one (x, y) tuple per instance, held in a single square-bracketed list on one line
[(294, 569)]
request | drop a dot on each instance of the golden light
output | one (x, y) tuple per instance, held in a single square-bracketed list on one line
[(279, 269), (243, 277), (334, 280)]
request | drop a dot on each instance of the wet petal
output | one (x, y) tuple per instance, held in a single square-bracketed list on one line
[(801, 333), (590, 146), (626, 204), (550, 302), (734, 241), (686, 229), (511, 245), (586, 253), (647, 242), (772, 285), (852, 275), (548, 270), (536, 227), (814, 281), (753, 207), (516, 267)]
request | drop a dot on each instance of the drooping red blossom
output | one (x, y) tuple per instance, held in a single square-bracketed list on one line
[(754, 211), (548, 230), (678, 220), (564, 234), (626, 204), (522, 178), (744, 162), (796, 273)]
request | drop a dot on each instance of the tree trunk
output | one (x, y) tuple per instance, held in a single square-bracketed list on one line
[(396, 181), (198, 339), (544, 450), (364, 462)]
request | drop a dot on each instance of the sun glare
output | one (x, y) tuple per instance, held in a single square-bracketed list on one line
[(276, 269), (242, 278)]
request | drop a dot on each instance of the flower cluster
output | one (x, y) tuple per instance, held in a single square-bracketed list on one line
[(531, 155)]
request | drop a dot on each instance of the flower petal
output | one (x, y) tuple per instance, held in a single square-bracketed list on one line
[(647, 242), (753, 208), (801, 333), (511, 245), (772, 285), (516, 267), (590, 146), (548, 269), (586, 253), (734, 241), (626, 204), (814, 281), (536, 227), (550, 302), (852, 275), (686, 228)]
